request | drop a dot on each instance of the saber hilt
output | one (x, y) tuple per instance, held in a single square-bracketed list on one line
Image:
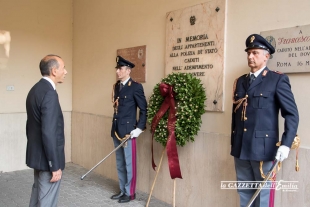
[(275, 163)]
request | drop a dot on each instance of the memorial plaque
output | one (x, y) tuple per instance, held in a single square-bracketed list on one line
[(292, 49), (136, 55), (195, 38)]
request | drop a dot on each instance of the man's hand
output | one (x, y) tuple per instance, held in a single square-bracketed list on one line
[(56, 176), (282, 153), (135, 133)]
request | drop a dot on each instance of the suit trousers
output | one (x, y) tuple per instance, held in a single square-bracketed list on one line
[(248, 173), (126, 166), (44, 193)]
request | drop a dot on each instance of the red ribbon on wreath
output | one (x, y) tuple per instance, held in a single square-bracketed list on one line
[(166, 91)]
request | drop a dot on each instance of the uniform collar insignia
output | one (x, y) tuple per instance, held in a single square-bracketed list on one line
[(265, 73), (129, 83)]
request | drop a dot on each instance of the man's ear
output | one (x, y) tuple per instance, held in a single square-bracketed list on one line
[(53, 71), (267, 56)]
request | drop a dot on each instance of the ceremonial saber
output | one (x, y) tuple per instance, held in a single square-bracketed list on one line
[(275, 163), (121, 144)]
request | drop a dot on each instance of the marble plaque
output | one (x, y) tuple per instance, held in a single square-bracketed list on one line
[(136, 55), (292, 49), (195, 38)]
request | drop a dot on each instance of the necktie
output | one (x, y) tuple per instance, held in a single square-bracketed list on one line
[(252, 78), (121, 86)]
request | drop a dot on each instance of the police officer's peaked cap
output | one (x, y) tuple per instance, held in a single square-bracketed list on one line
[(258, 42), (122, 62)]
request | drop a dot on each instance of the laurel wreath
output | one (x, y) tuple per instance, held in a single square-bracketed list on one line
[(190, 97)]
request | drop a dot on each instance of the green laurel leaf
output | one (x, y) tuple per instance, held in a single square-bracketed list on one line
[(190, 102)]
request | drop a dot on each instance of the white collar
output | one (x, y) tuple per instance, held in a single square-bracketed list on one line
[(258, 72), (124, 82), (50, 80)]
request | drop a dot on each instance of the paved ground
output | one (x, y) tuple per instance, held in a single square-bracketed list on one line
[(93, 191)]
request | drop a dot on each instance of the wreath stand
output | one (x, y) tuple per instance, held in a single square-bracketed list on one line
[(153, 185)]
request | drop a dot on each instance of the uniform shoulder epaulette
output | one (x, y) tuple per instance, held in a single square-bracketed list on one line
[(275, 71), (243, 76), (117, 82), (135, 81), (236, 80)]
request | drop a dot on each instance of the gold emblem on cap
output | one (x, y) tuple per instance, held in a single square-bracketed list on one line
[(252, 39)]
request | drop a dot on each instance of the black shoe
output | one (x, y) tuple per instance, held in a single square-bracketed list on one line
[(117, 196), (126, 198)]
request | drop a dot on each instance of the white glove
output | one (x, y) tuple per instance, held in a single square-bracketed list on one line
[(135, 133), (282, 153)]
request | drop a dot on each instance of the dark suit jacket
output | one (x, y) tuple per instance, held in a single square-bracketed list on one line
[(255, 138), (44, 129), (130, 97)]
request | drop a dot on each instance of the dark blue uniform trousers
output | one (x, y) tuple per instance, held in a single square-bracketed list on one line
[(248, 170), (126, 166)]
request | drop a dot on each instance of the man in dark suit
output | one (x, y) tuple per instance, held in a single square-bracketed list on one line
[(128, 95), (258, 98), (45, 133)]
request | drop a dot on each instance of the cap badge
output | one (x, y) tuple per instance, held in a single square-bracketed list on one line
[(252, 39)]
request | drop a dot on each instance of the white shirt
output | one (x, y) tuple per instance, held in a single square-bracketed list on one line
[(257, 72), (124, 82), (50, 80)]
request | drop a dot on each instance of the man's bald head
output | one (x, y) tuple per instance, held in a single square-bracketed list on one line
[(48, 63)]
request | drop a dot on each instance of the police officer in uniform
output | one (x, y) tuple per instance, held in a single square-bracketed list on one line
[(258, 98), (128, 95)]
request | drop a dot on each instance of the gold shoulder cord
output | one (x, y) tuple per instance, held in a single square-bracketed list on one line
[(113, 89), (295, 145), (239, 102), (115, 102)]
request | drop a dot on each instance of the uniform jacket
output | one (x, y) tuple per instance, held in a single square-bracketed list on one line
[(129, 98), (255, 137), (44, 128)]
